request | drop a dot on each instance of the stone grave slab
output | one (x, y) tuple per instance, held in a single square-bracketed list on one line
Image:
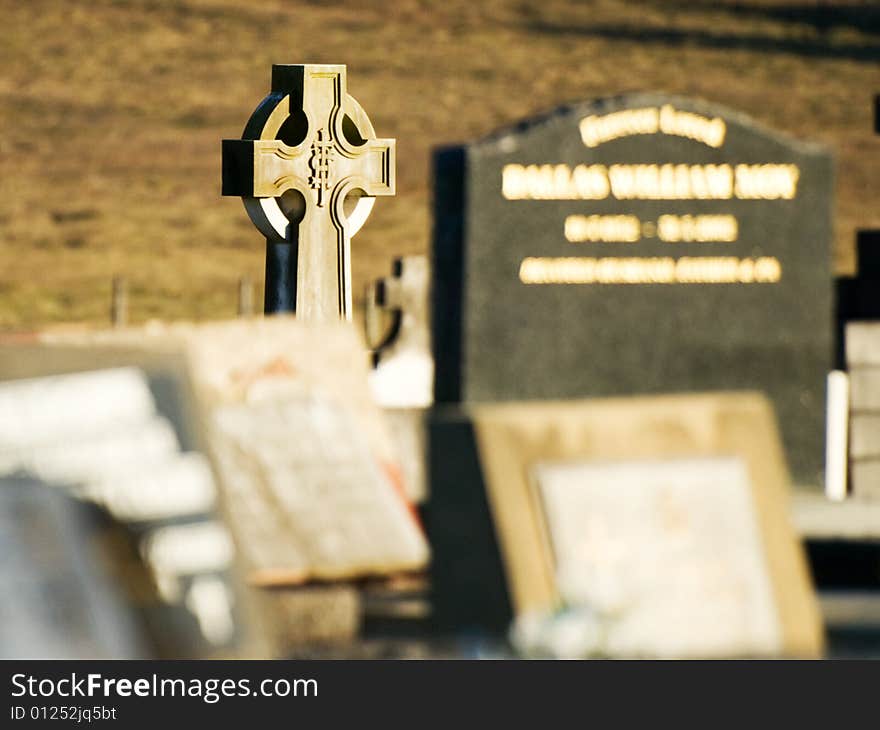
[(119, 430), (308, 475)]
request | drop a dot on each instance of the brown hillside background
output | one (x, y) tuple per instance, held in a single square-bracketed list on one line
[(112, 112)]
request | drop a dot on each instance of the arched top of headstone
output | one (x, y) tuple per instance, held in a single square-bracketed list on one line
[(650, 117)]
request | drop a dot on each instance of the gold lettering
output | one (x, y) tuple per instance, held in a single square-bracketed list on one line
[(513, 182), (591, 182), (650, 182), (597, 129), (671, 182), (606, 228), (554, 182), (710, 132), (697, 228), (766, 182), (659, 270)]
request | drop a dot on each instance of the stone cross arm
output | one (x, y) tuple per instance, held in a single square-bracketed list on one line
[(269, 168)]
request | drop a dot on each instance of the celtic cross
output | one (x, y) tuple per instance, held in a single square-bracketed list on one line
[(308, 168)]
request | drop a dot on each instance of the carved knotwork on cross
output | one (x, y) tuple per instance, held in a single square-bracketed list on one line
[(308, 168)]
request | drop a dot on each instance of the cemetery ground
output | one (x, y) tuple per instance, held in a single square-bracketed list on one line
[(112, 114)]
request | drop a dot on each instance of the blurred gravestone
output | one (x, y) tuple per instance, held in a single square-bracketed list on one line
[(73, 583), (858, 312), (863, 363), (857, 299), (307, 473), (633, 245), (307, 469), (397, 331), (621, 527), (125, 438)]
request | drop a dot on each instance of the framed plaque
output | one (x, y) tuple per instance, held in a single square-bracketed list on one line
[(666, 517)]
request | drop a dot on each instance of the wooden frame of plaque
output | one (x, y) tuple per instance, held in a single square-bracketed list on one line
[(513, 438)]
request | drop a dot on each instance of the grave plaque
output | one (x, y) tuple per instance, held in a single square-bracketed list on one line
[(662, 520), (684, 533), (639, 244)]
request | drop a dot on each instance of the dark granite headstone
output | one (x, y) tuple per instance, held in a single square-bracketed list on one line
[(640, 244)]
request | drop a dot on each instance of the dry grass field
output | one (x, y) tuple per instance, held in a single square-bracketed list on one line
[(112, 112)]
